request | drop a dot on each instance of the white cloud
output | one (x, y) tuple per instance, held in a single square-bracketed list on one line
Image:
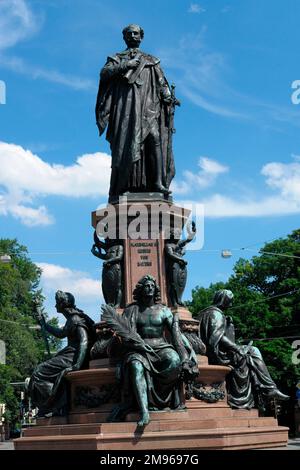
[(211, 167), (285, 177), (209, 171), (30, 216), (17, 22), (25, 177), (206, 177), (202, 76), (282, 178), (226, 9), (180, 187), (80, 284), (86, 290), (212, 107), (196, 8), (221, 206), (35, 72)]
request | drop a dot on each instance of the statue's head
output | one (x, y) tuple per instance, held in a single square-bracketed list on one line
[(223, 299), (64, 300), (145, 288), (133, 35)]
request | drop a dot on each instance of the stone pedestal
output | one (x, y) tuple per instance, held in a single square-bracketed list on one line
[(142, 222), (207, 422), (144, 257), (203, 425)]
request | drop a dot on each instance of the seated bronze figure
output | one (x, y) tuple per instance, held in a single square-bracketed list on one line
[(47, 386), (249, 376), (152, 367)]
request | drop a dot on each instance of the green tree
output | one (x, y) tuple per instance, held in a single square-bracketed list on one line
[(7, 394), (25, 348)]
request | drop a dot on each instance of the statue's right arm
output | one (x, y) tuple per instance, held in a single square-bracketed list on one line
[(98, 242), (53, 330), (58, 332), (112, 68), (228, 344), (97, 252), (172, 255)]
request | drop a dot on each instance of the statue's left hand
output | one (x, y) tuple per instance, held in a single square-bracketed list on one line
[(169, 100), (191, 230)]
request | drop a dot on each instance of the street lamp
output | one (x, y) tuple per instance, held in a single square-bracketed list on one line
[(5, 259), (35, 327), (226, 254)]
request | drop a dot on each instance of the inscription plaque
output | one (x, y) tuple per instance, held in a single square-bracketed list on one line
[(144, 257)]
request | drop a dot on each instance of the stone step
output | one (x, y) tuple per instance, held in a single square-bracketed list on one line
[(237, 438), (153, 426), (253, 413), (203, 412), (221, 438)]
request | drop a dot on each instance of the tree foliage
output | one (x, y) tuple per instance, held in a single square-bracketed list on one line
[(7, 394), (25, 348)]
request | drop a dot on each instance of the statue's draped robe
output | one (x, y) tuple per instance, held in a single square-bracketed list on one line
[(162, 373), (132, 112), (176, 275), (249, 373), (112, 278), (47, 387)]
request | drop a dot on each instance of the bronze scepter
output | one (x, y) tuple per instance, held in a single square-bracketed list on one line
[(38, 316), (171, 129)]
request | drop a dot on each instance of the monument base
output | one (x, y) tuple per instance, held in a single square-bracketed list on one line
[(202, 425), (206, 428)]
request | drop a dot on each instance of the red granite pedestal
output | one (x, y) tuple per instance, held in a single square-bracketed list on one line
[(94, 392), (153, 217), (142, 225), (201, 426)]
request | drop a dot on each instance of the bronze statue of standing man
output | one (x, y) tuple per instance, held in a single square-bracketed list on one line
[(136, 105)]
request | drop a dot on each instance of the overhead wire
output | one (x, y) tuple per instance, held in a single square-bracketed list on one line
[(267, 298)]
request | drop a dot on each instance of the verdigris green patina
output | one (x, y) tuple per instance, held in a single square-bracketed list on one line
[(152, 367), (249, 376), (47, 386)]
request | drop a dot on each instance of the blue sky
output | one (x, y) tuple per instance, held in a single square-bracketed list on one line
[(237, 143)]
